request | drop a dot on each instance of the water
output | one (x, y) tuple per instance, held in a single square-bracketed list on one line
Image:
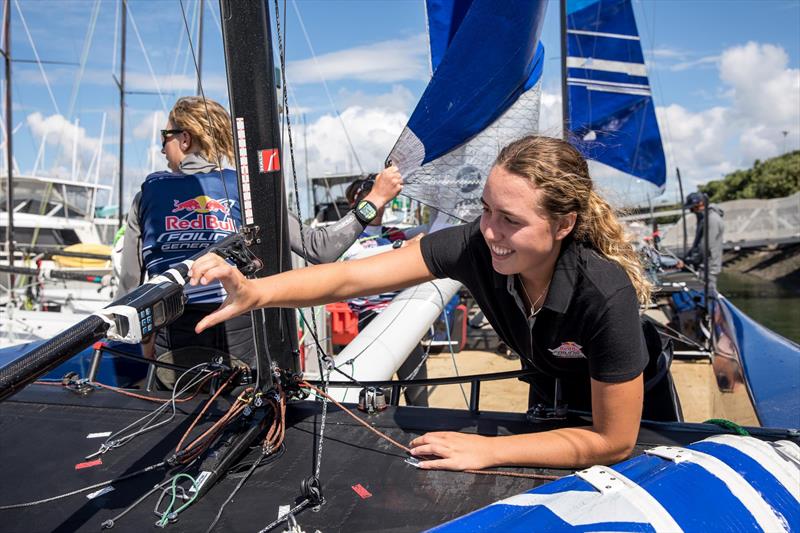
[(774, 306)]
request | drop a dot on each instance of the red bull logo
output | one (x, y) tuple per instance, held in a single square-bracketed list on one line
[(203, 204), (568, 350), (201, 212)]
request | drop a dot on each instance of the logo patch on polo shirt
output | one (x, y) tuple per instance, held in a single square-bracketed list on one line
[(568, 350)]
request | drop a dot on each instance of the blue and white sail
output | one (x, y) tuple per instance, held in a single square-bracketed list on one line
[(485, 92), (610, 106)]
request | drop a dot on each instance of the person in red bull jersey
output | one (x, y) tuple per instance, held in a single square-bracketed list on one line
[(180, 211), (551, 268)]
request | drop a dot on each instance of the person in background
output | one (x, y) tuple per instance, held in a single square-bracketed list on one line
[(551, 267), (696, 256), (180, 211)]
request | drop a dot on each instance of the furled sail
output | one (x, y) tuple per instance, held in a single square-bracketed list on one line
[(484, 92), (611, 111)]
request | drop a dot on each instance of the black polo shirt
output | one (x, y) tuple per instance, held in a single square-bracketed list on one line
[(589, 325)]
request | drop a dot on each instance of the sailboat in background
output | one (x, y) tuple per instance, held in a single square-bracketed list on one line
[(608, 108), (609, 114)]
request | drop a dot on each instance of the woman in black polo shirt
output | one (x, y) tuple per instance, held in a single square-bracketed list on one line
[(549, 265)]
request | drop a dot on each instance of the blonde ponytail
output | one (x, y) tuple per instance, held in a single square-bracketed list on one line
[(208, 123), (562, 174), (600, 227)]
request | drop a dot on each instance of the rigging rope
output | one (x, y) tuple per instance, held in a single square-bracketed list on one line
[(146, 56), (324, 361), (84, 489), (408, 450), (116, 441), (325, 85)]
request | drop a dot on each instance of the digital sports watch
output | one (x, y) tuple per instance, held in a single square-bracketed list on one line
[(366, 211)]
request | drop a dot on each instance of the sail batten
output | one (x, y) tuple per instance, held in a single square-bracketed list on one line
[(609, 98)]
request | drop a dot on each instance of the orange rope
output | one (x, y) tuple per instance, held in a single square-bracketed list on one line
[(205, 408), (237, 407), (150, 398), (408, 450), (512, 474), (356, 418)]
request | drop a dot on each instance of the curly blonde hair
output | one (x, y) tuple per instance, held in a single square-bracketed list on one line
[(211, 128), (557, 169)]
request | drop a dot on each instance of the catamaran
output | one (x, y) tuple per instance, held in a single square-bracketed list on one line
[(259, 454)]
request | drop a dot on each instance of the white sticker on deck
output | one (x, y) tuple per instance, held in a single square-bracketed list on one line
[(98, 435), (201, 479)]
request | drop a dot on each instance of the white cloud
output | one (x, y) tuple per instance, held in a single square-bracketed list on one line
[(152, 122), (707, 62), (372, 131), (669, 53), (66, 136), (398, 99), (409, 61), (764, 95), (762, 86)]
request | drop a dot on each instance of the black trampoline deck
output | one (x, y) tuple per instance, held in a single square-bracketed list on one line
[(366, 483)]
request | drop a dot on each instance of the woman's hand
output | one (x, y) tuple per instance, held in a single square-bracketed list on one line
[(241, 295), (388, 184), (454, 451)]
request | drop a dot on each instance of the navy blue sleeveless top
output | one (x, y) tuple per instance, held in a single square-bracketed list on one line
[(180, 214)]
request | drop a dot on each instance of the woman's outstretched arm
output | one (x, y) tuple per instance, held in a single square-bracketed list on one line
[(616, 413), (315, 285)]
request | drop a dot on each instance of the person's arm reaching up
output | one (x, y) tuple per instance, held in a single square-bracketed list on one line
[(325, 244), (309, 286)]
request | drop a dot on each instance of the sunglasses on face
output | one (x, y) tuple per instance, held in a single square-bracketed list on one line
[(165, 134)]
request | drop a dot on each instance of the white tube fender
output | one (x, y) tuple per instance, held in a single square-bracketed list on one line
[(378, 351)]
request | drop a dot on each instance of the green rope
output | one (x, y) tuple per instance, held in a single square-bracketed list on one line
[(727, 424), (169, 511)]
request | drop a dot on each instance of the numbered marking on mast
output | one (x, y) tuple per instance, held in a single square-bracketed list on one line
[(244, 172)]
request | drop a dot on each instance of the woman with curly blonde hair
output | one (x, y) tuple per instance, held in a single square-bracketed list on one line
[(550, 266)]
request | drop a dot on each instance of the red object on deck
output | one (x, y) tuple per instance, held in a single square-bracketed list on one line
[(344, 323)]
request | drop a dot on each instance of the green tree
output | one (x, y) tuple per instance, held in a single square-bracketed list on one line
[(773, 178)]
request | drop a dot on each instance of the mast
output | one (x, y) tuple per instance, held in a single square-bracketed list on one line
[(564, 89), (200, 50), (9, 145), (121, 85), (683, 208), (247, 38)]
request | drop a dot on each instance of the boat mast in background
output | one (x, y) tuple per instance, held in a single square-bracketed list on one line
[(9, 135), (121, 86), (683, 209), (200, 49), (562, 8)]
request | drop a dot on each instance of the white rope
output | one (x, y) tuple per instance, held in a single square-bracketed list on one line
[(146, 58), (36, 55), (325, 85), (87, 45)]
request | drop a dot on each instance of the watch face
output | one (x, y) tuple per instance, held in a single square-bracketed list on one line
[(367, 210)]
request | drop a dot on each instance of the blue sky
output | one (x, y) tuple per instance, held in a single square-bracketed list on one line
[(724, 73)]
